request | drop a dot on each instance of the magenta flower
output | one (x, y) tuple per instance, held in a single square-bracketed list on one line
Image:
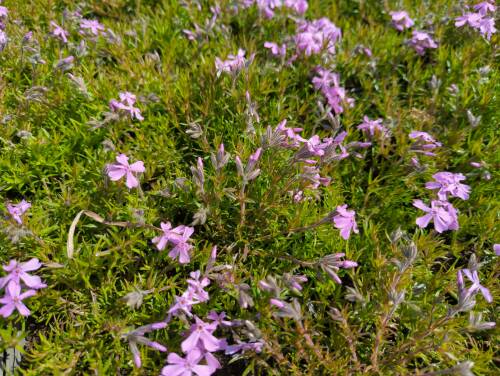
[(219, 319), (178, 237), (325, 79), (18, 271), (201, 337), (421, 41), (423, 143), (442, 213), (13, 300), (197, 285), (487, 27), (471, 19), (186, 366), (3, 12), (345, 221), (316, 36), (448, 183), (183, 304), (373, 127), (59, 32), (126, 105), (331, 264), (476, 284), (116, 171), (92, 25), (17, 210), (299, 6), (401, 20)]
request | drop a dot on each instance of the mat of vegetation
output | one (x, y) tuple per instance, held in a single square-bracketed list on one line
[(249, 187)]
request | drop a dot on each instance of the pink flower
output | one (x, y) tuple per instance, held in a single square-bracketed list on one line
[(59, 32), (476, 284), (316, 36), (126, 104), (17, 210), (401, 20), (299, 6), (186, 366), (18, 271), (92, 25), (13, 300), (345, 221), (197, 285), (442, 213), (116, 171), (448, 183), (276, 50), (423, 143), (233, 64), (178, 237), (201, 337), (471, 19), (421, 41), (3, 12), (183, 303), (373, 127)]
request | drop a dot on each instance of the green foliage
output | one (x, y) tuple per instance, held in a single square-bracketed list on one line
[(54, 146)]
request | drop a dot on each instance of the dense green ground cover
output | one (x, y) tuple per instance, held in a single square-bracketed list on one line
[(55, 147)]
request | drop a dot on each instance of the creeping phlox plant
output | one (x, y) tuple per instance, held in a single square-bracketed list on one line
[(268, 187)]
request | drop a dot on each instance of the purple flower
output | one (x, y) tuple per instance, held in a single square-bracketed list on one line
[(442, 213), (496, 249), (116, 171), (471, 19), (59, 32), (476, 284), (345, 221), (487, 27), (424, 142), (3, 12), (373, 127), (201, 337), (197, 285), (448, 183), (3, 40), (421, 41), (242, 346), (186, 366), (299, 6), (331, 264), (178, 237), (485, 7), (401, 20), (18, 271), (232, 64), (183, 304), (219, 319), (13, 300), (17, 210), (126, 104), (92, 25), (137, 336), (276, 50), (315, 36), (325, 79)]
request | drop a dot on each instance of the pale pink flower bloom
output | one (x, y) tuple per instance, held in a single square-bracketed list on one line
[(92, 25), (17, 210), (59, 32), (442, 213), (18, 272), (401, 20), (421, 41), (345, 221), (187, 366), (201, 337), (13, 300), (116, 171)]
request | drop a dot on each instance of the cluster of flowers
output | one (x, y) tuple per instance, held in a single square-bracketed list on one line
[(178, 237), (267, 7), (373, 128), (328, 84), (441, 212), (420, 40), (13, 298), (91, 28), (126, 106), (480, 19), (315, 36)]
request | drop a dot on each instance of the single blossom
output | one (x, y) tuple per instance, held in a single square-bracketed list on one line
[(401, 20), (424, 143), (442, 213), (13, 300), (18, 272), (373, 127), (476, 285), (17, 210), (449, 184), (187, 366), (421, 41), (92, 25), (116, 171), (201, 337), (345, 221), (485, 7), (59, 32), (232, 64)]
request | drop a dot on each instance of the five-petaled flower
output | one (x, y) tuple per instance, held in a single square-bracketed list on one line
[(345, 221), (13, 300), (186, 366), (18, 272), (116, 171), (17, 210), (442, 213)]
